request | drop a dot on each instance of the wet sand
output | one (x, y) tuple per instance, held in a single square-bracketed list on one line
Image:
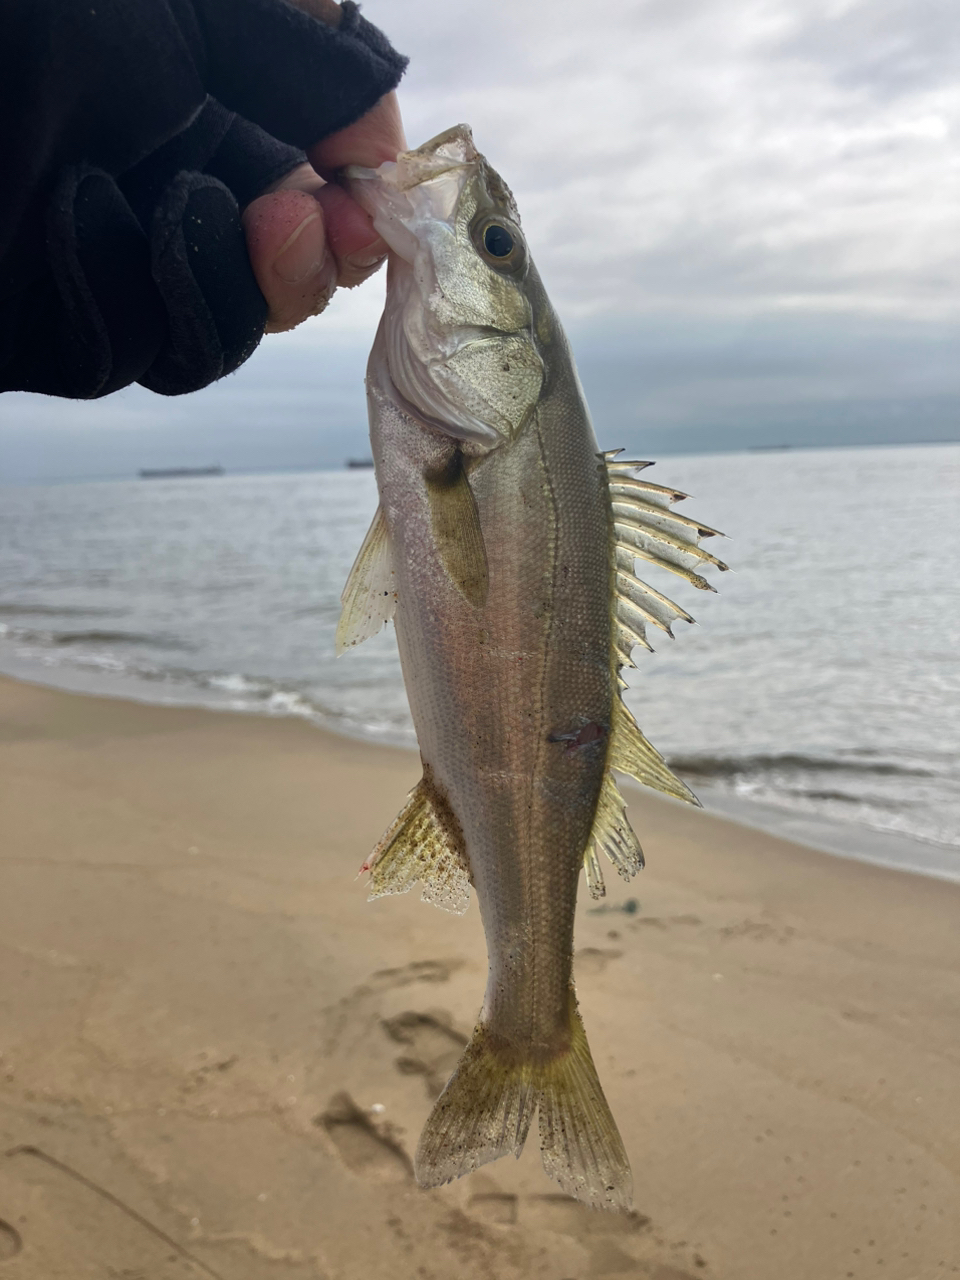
[(216, 1055)]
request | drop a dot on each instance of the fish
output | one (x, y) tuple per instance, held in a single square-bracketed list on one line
[(504, 549)]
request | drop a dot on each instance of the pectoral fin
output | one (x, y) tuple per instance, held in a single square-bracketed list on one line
[(423, 845), (456, 527), (369, 598)]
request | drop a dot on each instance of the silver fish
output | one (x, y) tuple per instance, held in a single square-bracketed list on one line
[(505, 546)]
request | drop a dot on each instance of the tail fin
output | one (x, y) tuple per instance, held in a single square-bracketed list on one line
[(485, 1112)]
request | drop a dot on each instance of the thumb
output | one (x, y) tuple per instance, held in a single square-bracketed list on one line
[(287, 243)]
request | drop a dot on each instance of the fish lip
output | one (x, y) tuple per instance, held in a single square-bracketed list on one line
[(421, 164), (387, 193)]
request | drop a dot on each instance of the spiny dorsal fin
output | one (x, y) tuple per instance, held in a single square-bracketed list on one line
[(646, 528), (369, 598), (425, 845)]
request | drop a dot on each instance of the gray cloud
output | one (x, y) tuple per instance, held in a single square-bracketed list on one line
[(746, 212), (887, 48), (739, 155)]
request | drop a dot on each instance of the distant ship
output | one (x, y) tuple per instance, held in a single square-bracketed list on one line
[(356, 463), (178, 473)]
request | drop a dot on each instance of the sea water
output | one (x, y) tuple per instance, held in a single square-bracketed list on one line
[(818, 694)]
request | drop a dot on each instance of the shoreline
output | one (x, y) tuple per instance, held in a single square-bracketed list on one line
[(861, 843), (856, 842), (205, 1028)]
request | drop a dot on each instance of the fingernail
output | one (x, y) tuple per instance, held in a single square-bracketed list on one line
[(300, 257), (363, 260)]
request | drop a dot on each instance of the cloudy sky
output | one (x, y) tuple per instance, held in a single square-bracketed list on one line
[(747, 212)]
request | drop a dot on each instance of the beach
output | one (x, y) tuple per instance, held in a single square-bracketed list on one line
[(794, 704), (217, 1055)]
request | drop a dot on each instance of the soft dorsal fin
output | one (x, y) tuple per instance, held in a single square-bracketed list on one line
[(425, 845), (632, 754), (369, 598)]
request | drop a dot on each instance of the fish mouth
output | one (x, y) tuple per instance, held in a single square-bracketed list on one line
[(452, 149), (420, 187), (443, 336)]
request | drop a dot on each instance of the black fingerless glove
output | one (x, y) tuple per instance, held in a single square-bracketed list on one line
[(149, 276), (122, 257)]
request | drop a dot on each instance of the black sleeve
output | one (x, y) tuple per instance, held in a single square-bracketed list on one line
[(133, 131)]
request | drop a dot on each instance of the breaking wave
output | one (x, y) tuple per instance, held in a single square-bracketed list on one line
[(716, 766), (806, 691)]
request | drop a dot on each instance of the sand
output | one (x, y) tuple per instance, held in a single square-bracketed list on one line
[(217, 1056)]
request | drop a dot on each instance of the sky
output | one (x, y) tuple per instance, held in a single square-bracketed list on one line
[(746, 213)]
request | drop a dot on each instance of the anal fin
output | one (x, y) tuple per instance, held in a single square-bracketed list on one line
[(369, 598), (423, 845)]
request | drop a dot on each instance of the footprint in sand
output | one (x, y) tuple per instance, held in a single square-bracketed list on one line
[(605, 1236), (433, 1046), (571, 1218), (593, 960), (363, 1147), (663, 922), (417, 971), (339, 1017), (494, 1208), (616, 1244), (758, 931), (10, 1242)]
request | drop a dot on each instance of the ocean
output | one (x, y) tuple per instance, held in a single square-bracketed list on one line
[(817, 696)]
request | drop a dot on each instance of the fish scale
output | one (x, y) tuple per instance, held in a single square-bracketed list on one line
[(504, 550)]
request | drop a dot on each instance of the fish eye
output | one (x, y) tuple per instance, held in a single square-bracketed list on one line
[(497, 241), (501, 245)]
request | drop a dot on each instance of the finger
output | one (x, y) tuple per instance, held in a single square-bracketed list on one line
[(327, 11), (287, 243), (357, 248), (374, 138), (303, 178)]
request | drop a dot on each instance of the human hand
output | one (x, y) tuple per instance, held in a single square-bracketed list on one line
[(306, 236), (159, 216)]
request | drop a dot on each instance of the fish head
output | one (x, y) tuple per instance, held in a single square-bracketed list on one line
[(458, 328)]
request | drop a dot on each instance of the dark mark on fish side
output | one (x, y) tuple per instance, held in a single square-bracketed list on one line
[(582, 737)]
